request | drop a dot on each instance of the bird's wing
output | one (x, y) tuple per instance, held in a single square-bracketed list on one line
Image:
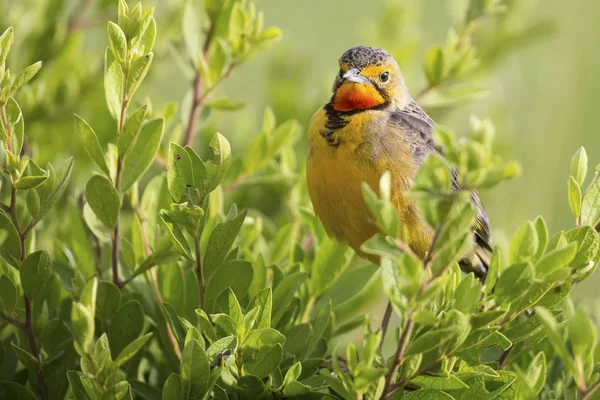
[(420, 126)]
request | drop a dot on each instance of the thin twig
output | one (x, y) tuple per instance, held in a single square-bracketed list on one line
[(12, 320), (587, 393), (398, 358), (387, 315), (197, 99)]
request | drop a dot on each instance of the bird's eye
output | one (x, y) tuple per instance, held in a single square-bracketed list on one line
[(384, 77)]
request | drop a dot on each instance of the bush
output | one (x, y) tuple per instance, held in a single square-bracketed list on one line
[(141, 283)]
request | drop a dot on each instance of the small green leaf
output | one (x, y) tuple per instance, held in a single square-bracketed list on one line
[(513, 282), (234, 274), (427, 394), (263, 300), (83, 328), (524, 243), (172, 388), (137, 73), (590, 208), (6, 40), (175, 234), (51, 190), (8, 295), (132, 348), (582, 334), (195, 371), (284, 292), (574, 197), (126, 326), (191, 30), (179, 173), (579, 166), (450, 382), (262, 352), (554, 336), (131, 130), (217, 166), (220, 242), (118, 41), (556, 259), (25, 76), (330, 262), (142, 152), (113, 86), (35, 272), (11, 245), (103, 199), (91, 144)]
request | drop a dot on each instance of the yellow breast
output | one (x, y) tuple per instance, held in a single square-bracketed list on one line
[(340, 161)]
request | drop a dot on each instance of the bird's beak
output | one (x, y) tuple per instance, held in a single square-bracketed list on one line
[(353, 75)]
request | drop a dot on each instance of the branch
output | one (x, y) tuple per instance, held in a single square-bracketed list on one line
[(398, 358), (197, 99), (587, 393)]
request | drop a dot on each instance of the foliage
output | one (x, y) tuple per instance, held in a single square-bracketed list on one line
[(143, 284)]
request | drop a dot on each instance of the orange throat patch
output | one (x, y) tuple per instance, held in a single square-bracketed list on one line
[(355, 96)]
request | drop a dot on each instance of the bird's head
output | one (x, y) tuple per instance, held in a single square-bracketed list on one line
[(369, 78)]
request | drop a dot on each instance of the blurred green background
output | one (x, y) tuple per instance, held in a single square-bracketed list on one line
[(542, 85)]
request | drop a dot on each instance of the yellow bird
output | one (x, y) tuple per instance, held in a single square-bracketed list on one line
[(372, 125)]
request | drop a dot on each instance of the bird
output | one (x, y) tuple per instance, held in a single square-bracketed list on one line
[(371, 125)]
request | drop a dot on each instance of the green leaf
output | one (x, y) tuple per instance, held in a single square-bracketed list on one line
[(450, 382), (579, 166), (176, 235), (227, 303), (15, 119), (35, 272), (6, 41), (113, 86), (552, 331), (319, 325), (589, 242), (103, 199), (590, 208), (331, 260), (434, 65), (217, 166), (27, 359), (234, 274), (142, 152), (83, 328), (556, 259), (137, 73), (220, 242), (582, 334), (191, 30), (262, 352), (542, 233), (513, 282), (126, 326), (524, 243), (11, 245), (262, 299), (132, 348), (427, 394), (179, 172), (130, 131), (51, 190), (30, 182), (195, 371), (172, 388), (574, 197), (8, 296), (284, 293), (25, 76), (226, 104), (118, 41)]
